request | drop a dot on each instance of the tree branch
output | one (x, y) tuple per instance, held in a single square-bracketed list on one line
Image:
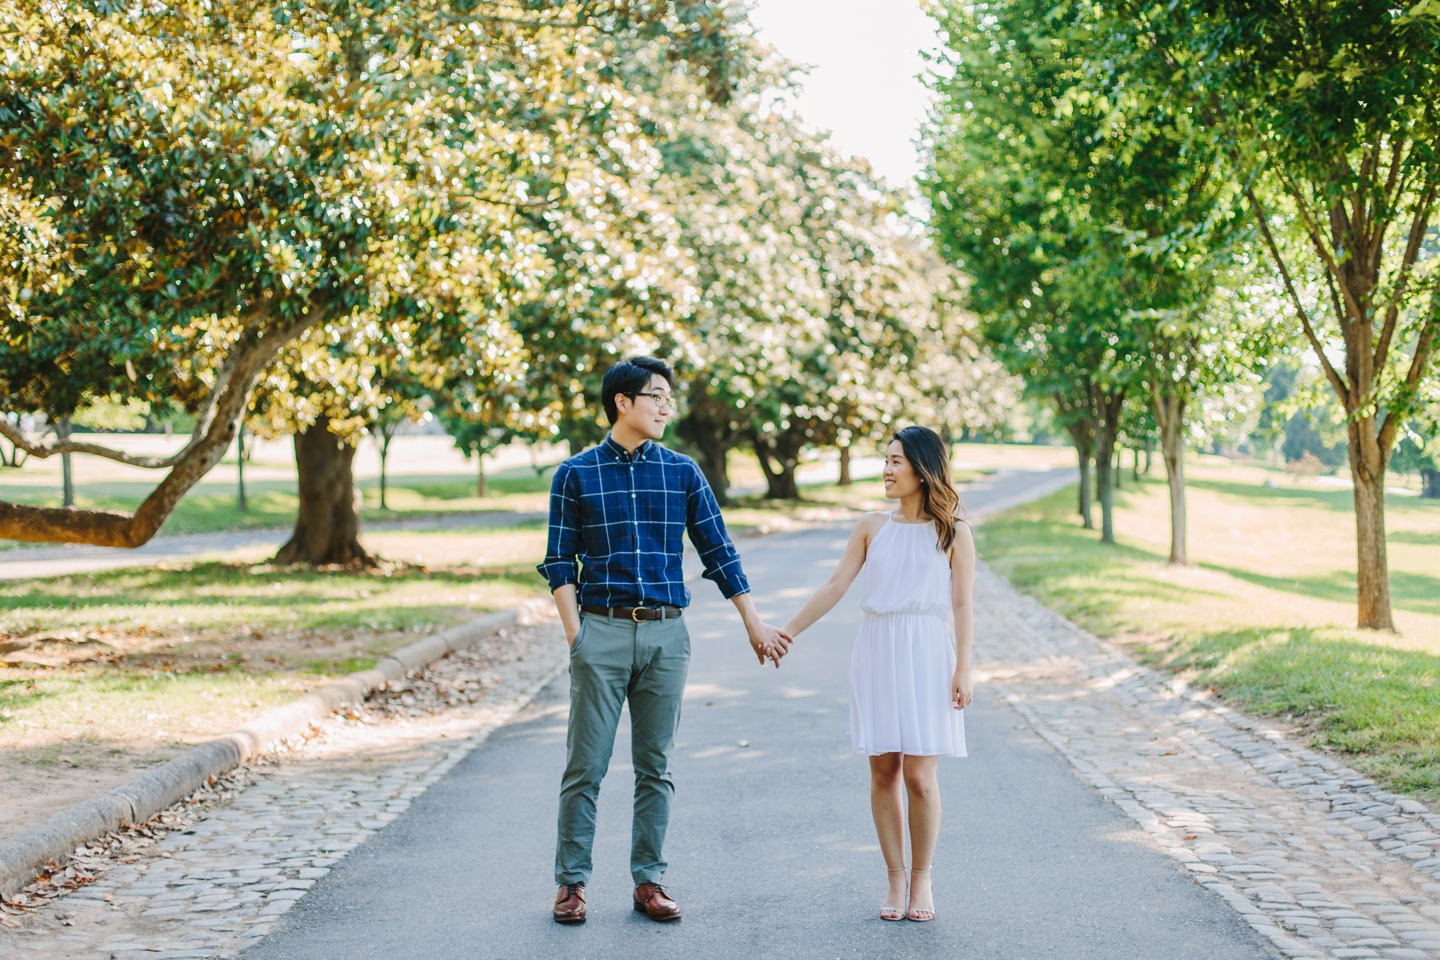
[(1336, 380), (43, 449), (108, 528), (1418, 227), (1318, 240), (36, 447), (1423, 347)]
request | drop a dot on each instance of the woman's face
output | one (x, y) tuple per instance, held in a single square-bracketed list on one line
[(901, 480)]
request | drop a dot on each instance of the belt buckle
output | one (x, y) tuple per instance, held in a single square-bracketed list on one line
[(635, 613)]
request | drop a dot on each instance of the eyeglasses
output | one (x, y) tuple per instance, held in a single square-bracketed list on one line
[(663, 401)]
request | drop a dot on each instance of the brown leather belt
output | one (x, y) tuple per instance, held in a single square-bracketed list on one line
[(635, 613)]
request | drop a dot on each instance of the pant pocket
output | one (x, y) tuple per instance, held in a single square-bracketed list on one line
[(580, 635)]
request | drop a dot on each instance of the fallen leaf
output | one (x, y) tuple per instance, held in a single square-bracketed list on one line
[(1191, 836), (8, 922)]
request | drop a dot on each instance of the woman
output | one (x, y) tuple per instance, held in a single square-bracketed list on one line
[(908, 683)]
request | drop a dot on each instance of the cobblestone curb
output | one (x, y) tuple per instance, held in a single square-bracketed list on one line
[(23, 855), (1317, 858)]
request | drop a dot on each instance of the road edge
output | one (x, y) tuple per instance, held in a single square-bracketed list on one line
[(23, 855)]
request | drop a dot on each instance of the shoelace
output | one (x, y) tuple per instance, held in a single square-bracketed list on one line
[(574, 889)]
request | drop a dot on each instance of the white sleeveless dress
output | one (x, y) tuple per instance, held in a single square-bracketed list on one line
[(905, 653)]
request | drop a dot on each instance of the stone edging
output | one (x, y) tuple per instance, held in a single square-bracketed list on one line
[(133, 803)]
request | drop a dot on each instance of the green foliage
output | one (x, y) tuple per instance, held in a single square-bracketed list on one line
[(112, 413), (817, 317), (1095, 228)]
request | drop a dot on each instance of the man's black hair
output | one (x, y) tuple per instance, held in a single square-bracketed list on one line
[(631, 376)]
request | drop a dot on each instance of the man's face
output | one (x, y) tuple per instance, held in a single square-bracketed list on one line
[(648, 411)]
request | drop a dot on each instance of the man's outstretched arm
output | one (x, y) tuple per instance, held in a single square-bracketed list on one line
[(722, 564)]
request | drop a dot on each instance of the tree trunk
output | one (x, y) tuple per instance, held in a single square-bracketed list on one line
[(482, 486), (1170, 415), (1109, 406), (1083, 438), (711, 453), (1119, 472), (384, 459), (327, 529), (779, 475), (845, 466), (240, 468), (1430, 483), (1372, 568), (67, 475), (708, 430)]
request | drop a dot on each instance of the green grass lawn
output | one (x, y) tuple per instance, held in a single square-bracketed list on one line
[(180, 654), (1265, 615)]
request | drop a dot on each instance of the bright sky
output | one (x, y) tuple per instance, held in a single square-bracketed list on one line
[(864, 87)]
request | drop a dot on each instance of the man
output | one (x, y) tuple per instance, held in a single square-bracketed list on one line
[(621, 508)]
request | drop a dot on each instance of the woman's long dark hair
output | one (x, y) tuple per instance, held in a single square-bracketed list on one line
[(930, 458)]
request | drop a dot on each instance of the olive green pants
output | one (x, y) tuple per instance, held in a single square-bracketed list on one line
[(612, 661)]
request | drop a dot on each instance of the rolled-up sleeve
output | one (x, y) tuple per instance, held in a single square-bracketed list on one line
[(562, 545), (707, 532)]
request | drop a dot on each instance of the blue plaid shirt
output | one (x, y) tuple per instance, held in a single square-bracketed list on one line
[(623, 517)]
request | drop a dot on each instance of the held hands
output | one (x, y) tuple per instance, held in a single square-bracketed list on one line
[(769, 642), (962, 692)]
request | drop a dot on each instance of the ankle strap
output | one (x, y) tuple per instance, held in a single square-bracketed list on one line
[(918, 870), (896, 869)]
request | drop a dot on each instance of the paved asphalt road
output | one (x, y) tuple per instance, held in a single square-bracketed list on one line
[(772, 850)]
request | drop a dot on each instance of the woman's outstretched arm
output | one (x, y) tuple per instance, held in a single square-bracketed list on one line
[(962, 588), (830, 592)]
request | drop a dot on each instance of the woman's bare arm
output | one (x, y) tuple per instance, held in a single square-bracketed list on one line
[(962, 588), (830, 592)]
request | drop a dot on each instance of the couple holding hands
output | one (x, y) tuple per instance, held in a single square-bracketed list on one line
[(621, 509)]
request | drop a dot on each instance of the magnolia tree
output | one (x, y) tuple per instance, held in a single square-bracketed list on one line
[(192, 190), (817, 318)]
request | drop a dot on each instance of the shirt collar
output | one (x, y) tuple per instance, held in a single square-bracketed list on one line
[(617, 452)]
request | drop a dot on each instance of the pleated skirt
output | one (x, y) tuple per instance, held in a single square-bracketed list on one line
[(900, 687)]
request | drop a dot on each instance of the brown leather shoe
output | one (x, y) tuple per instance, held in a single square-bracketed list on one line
[(570, 903), (652, 900)]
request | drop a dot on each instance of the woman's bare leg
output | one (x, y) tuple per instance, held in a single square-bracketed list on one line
[(887, 804), (924, 791)]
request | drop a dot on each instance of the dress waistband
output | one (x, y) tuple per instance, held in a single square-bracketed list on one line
[(903, 613)]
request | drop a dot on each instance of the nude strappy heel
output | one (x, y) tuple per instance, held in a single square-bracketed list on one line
[(922, 915), (888, 912)]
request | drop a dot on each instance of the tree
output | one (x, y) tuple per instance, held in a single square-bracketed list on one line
[(1095, 227), (192, 188), (1328, 116), (1021, 207)]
